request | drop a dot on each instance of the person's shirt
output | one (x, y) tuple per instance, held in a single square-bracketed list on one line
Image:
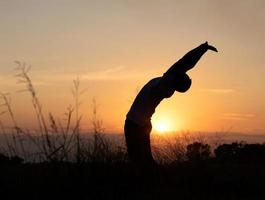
[(148, 98)]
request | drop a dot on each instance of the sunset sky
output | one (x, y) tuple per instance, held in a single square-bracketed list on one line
[(116, 46)]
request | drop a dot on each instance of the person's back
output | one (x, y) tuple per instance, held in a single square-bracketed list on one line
[(145, 103)]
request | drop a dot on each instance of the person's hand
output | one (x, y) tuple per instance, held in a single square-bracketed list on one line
[(210, 47)]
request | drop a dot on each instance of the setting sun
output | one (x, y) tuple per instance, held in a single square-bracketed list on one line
[(162, 125)]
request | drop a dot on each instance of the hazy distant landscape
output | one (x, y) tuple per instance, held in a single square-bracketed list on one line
[(117, 141)]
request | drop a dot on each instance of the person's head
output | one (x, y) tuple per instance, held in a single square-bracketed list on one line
[(183, 83)]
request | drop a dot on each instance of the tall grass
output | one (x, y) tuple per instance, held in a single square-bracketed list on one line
[(55, 140)]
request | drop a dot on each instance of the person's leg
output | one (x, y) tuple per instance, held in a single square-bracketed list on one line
[(138, 142), (146, 151), (131, 131)]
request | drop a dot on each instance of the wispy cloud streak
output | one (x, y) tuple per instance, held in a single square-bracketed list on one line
[(218, 90), (238, 116), (110, 74)]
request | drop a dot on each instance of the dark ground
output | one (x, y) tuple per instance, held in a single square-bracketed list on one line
[(201, 180)]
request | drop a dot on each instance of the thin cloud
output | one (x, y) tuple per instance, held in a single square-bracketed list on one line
[(238, 116), (110, 74), (116, 73), (218, 91)]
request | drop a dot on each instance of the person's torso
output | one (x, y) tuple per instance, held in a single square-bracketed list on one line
[(145, 103)]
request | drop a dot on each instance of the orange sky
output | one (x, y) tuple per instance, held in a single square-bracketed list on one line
[(115, 47)]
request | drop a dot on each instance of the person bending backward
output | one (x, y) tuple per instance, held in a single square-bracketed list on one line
[(138, 120)]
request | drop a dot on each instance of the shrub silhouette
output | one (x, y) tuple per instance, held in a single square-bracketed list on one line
[(240, 152), (252, 153), (198, 151), (16, 160), (228, 152), (10, 160), (3, 159)]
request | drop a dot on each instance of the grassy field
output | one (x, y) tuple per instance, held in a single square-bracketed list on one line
[(59, 161)]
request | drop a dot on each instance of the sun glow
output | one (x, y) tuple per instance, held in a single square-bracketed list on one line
[(163, 125)]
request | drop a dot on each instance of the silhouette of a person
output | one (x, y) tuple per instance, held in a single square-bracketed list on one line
[(138, 120)]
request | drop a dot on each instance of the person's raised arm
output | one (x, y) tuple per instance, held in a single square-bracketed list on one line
[(189, 60)]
